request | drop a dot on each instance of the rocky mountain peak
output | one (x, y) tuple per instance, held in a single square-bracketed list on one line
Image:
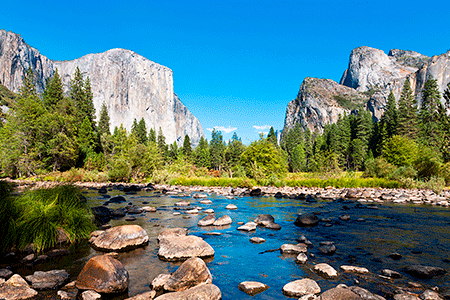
[(132, 86)]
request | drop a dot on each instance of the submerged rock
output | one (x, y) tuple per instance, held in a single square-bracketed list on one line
[(103, 274), (306, 220), (424, 271)]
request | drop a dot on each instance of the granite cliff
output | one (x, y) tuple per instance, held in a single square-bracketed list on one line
[(130, 85), (370, 77)]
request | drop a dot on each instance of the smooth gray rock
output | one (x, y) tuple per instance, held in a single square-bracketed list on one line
[(339, 293), (249, 226), (424, 271), (5, 273), (326, 271), (207, 220), (293, 249), (223, 221), (191, 273), (184, 247)]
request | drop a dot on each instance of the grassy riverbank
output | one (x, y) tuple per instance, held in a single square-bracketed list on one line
[(43, 217)]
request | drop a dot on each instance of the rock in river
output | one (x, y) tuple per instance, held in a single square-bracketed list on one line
[(223, 221), (16, 288), (301, 287), (120, 238), (339, 293), (424, 271), (103, 274), (200, 292), (173, 246), (306, 220), (326, 271), (47, 280), (252, 287), (207, 220), (191, 273)]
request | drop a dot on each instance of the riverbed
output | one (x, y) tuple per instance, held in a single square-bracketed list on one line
[(373, 231)]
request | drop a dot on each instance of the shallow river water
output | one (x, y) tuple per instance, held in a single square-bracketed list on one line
[(419, 233)]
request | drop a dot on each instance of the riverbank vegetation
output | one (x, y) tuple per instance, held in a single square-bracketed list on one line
[(43, 218), (56, 137)]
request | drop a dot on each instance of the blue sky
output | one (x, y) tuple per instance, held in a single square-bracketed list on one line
[(236, 64)]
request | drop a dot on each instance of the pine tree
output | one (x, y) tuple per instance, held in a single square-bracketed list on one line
[(446, 96), (161, 141), (103, 123), (152, 135), (29, 85), (407, 119), (272, 137), (53, 93), (203, 157), (187, 148), (429, 113), (81, 94), (343, 140), (233, 152), (217, 149), (389, 118)]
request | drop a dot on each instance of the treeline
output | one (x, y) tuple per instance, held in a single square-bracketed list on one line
[(410, 141), (54, 133)]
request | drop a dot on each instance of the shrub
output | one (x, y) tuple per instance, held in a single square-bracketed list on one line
[(445, 173), (8, 216), (44, 212), (119, 170), (400, 151), (428, 163), (378, 167)]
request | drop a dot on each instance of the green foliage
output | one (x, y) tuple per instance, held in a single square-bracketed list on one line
[(119, 169), (7, 97), (272, 137), (202, 154), (103, 123), (53, 93), (44, 212), (379, 168), (407, 117), (217, 149), (345, 182), (400, 151), (262, 159), (215, 181), (81, 95), (428, 162), (140, 131), (9, 214), (187, 148)]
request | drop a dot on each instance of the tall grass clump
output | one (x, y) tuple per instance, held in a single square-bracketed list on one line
[(8, 216), (47, 213)]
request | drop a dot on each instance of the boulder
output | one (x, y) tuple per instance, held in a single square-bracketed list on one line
[(250, 226), (306, 220), (207, 221), (231, 207), (430, 295), (406, 296), (353, 269), (273, 226), (252, 287), (172, 232), (135, 210), (90, 295), (326, 271), (293, 249), (365, 294), (117, 199), (47, 280), (183, 203), (257, 240), (264, 220), (199, 196), (102, 214), (120, 238), (200, 292), (301, 258), (16, 288), (207, 201), (256, 192), (103, 274), (159, 282), (301, 287), (327, 248), (391, 274), (191, 273), (183, 247), (339, 293), (424, 271), (149, 209), (223, 221), (144, 296), (5, 273)]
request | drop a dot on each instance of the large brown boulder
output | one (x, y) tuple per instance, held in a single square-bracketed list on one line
[(181, 247), (103, 274), (16, 288), (120, 238), (171, 233), (301, 287), (200, 292), (191, 273)]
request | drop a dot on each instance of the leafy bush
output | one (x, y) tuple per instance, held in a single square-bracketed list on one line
[(400, 151), (119, 170), (45, 212), (445, 173), (378, 167), (428, 163)]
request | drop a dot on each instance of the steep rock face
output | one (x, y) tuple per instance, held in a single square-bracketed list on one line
[(15, 59), (320, 102), (130, 85), (134, 87)]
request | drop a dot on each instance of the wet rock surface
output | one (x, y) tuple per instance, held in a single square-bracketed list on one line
[(48, 280), (120, 238), (16, 288)]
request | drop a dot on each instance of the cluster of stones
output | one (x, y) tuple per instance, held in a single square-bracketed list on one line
[(308, 289)]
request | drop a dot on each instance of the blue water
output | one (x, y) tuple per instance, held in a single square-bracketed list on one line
[(419, 233)]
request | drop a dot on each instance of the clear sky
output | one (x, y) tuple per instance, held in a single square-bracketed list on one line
[(236, 64)]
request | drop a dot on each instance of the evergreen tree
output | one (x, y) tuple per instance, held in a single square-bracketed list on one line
[(103, 123), (343, 140), (187, 148), (217, 149), (233, 153), (140, 131), (389, 118), (53, 93), (29, 85), (161, 141), (272, 137), (81, 94), (152, 135), (446, 96), (430, 113), (86, 136), (173, 151), (407, 119), (203, 157)]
